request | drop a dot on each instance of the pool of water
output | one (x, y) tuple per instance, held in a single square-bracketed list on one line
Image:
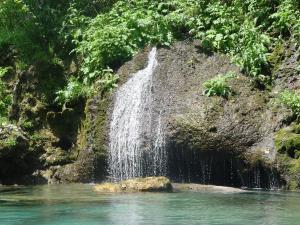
[(79, 204)]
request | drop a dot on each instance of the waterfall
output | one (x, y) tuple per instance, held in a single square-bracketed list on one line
[(136, 138)]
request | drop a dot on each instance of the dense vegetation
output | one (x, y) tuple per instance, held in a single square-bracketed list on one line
[(55, 55), (100, 35)]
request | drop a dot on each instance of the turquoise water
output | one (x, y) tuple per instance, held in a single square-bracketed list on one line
[(79, 204)]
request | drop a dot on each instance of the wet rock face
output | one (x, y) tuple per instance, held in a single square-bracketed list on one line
[(212, 139), (208, 123), (209, 135)]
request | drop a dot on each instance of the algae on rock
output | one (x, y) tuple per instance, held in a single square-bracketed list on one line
[(287, 142), (148, 184)]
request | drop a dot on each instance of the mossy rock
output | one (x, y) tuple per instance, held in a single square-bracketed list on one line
[(290, 171), (287, 142), (16, 159), (277, 55), (12, 141), (148, 184)]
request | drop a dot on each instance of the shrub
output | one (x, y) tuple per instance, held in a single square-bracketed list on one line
[(105, 33), (291, 100), (104, 81), (252, 49), (73, 91), (218, 86), (287, 18)]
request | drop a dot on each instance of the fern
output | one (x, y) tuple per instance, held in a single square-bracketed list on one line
[(218, 86)]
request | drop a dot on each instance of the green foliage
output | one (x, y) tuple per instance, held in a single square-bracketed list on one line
[(234, 28), (107, 80), (76, 89), (27, 125), (5, 97), (18, 27), (287, 18), (103, 34), (252, 49), (9, 143), (291, 100), (113, 37), (33, 28), (3, 71), (218, 86), (73, 91), (73, 25), (242, 29)]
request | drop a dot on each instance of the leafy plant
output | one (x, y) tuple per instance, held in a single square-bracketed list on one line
[(242, 29), (287, 18), (218, 86), (73, 91), (291, 100), (252, 50), (10, 142), (103, 34), (108, 80), (3, 71), (27, 125)]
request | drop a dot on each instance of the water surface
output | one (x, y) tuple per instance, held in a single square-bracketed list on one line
[(79, 204)]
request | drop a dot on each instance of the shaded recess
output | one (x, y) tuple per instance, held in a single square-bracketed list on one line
[(220, 168)]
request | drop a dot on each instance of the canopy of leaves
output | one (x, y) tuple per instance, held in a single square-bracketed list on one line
[(242, 29), (103, 34)]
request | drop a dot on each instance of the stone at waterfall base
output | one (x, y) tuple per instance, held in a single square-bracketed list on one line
[(185, 187), (148, 184)]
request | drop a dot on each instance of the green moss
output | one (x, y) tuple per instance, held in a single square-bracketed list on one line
[(92, 136), (292, 185), (287, 143), (276, 57), (296, 128), (98, 126)]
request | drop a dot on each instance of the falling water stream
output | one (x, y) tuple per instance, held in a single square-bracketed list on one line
[(134, 151)]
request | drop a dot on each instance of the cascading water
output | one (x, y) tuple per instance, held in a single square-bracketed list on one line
[(136, 139)]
